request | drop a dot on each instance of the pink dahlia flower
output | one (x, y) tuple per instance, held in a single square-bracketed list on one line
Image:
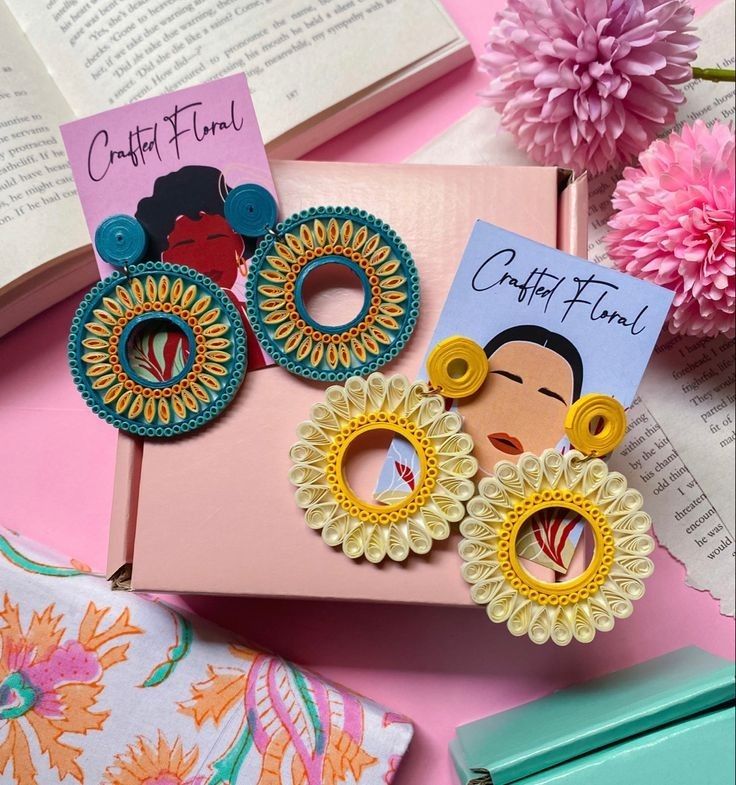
[(675, 225), (587, 84)]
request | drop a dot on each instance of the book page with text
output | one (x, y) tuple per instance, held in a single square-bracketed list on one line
[(300, 57), (40, 217)]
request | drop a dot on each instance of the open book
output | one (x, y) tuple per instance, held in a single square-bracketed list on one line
[(314, 69)]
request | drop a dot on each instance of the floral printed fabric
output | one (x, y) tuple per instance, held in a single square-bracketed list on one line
[(111, 689)]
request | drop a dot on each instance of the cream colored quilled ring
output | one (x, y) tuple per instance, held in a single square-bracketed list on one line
[(444, 480), (573, 609)]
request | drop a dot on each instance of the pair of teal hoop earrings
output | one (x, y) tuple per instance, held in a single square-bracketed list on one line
[(158, 349)]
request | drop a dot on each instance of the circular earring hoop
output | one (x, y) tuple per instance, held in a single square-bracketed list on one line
[(571, 609), (440, 486), (595, 424), (203, 370), (353, 239)]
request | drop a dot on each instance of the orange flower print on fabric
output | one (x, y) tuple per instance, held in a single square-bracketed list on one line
[(49, 685), (154, 763), (298, 729)]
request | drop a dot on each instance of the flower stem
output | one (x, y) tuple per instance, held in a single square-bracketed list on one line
[(715, 74)]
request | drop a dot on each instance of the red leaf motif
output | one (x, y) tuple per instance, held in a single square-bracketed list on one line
[(552, 528), (159, 356), (406, 474)]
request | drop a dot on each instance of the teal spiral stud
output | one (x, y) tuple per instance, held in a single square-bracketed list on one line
[(250, 210), (120, 240)]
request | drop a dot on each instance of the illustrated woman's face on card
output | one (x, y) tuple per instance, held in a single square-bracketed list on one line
[(184, 219), (208, 244), (522, 405)]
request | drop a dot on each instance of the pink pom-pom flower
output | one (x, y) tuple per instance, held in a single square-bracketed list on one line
[(675, 225), (587, 84)]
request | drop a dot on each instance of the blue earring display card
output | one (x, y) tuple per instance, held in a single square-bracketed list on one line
[(554, 328)]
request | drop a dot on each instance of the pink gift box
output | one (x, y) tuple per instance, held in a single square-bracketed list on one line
[(214, 512)]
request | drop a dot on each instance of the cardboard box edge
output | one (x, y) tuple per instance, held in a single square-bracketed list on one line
[(123, 517)]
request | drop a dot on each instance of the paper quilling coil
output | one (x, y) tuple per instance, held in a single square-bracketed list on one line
[(250, 210), (439, 487), (120, 240), (457, 367), (595, 424), (573, 609)]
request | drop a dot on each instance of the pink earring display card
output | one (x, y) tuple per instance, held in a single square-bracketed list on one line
[(170, 161)]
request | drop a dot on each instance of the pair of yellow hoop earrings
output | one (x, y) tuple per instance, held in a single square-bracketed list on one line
[(443, 491)]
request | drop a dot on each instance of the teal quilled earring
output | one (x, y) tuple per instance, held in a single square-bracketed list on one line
[(350, 238), (155, 349)]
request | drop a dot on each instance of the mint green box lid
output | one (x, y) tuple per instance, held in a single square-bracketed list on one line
[(699, 750), (529, 739)]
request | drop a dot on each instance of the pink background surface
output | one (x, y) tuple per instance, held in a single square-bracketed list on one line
[(442, 667)]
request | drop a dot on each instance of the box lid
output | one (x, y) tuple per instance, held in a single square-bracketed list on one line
[(526, 740), (699, 749)]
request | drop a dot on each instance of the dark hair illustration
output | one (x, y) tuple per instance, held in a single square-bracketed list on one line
[(531, 333), (188, 191)]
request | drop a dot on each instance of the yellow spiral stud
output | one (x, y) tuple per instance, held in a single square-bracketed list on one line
[(595, 424), (457, 367)]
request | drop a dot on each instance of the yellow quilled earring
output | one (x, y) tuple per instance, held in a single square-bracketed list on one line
[(457, 367), (401, 408), (595, 424), (572, 609)]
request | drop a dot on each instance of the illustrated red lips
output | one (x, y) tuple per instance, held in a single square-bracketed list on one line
[(505, 443)]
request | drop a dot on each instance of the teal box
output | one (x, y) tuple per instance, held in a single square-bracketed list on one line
[(670, 720)]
